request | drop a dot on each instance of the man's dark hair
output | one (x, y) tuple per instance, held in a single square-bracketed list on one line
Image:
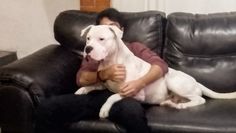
[(112, 14)]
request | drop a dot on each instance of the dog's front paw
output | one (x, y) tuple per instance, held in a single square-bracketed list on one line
[(104, 111), (82, 90)]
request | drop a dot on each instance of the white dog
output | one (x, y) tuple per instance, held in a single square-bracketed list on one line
[(104, 44)]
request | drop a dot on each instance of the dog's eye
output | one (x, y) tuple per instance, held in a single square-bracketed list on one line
[(101, 39), (88, 38)]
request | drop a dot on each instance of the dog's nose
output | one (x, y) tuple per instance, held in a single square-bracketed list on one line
[(88, 49)]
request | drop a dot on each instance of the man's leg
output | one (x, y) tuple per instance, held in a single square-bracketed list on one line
[(130, 114), (54, 113)]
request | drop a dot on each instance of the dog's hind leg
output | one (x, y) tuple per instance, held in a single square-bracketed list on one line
[(188, 92), (105, 109), (169, 103), (184, 86), (194, 101)]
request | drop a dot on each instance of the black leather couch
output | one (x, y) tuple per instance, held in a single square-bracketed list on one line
[(203, 46)]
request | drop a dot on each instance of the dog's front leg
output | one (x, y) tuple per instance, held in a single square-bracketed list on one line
[(87, 89), (105, 109)]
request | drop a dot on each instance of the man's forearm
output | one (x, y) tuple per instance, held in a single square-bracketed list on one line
[(131, 88), (88, 78), (154, 73)]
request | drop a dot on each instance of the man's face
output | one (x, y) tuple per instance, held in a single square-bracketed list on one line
[(107, 21)]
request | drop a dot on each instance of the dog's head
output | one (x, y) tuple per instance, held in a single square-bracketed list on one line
[(100, 40)]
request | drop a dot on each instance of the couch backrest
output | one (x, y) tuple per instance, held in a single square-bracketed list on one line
[(203, 46), (146, 27)]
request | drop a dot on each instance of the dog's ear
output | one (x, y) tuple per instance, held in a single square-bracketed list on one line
[(117, 32), (85, 30)]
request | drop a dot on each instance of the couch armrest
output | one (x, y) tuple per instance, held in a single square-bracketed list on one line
[(16, 110), (47, 72)]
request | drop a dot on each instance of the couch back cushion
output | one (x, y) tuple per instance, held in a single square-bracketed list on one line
[(203, 46), (146, 27)]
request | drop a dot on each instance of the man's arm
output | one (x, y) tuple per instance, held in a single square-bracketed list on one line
[(133, 87), (87, 77), (130, 88), (157, 70), (117, 72), (154, 73), (87, 74)]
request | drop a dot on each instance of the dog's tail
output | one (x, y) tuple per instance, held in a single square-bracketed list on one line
[(215, 95)]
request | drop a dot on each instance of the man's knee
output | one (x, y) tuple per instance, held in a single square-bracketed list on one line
[(43, 111), (127, 107), (129, 113)]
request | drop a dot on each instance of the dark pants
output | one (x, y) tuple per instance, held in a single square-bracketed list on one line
[(54, 114)]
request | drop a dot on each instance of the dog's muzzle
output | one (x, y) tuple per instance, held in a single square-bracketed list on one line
[(88, 49)]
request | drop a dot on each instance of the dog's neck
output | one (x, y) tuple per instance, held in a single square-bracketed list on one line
[(122, 55)]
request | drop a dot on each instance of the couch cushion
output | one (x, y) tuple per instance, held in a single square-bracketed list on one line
[(216, 116), (203, 46), (145, 27)]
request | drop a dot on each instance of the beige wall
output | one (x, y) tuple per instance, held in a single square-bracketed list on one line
[(27, 25), (198, 6), (169, 6)]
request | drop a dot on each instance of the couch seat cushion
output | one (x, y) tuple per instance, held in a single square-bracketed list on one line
[(215, 116)]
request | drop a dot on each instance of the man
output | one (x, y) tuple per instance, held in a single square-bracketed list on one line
[(53, 115)]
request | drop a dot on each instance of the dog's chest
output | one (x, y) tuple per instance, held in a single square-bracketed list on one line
[(135, 68), (112, 86)]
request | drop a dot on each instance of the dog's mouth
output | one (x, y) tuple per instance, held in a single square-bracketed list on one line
[(88, 57), (98, 52)]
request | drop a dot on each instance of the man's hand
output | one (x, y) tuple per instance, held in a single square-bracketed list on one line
[(116, 73), (131, 88)]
